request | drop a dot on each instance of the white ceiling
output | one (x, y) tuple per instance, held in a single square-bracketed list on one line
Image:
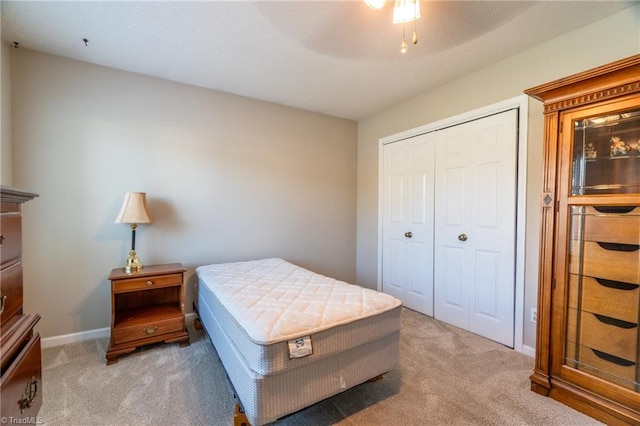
[(335, 57)]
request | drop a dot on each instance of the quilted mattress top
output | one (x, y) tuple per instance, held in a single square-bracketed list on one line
[(273, 300)]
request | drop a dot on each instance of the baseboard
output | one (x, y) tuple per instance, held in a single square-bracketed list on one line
[(529, 350), (99, 333)]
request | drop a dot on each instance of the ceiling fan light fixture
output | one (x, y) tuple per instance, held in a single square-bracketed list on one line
[(406, 11), (375, 4)]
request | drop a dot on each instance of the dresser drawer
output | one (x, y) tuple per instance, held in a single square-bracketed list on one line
[(615, 337), (601, 364), (22, 383), (617, 262), (10, 228), (157, 281), (624, 229), (11, 288), (129, 333), (610, 298)]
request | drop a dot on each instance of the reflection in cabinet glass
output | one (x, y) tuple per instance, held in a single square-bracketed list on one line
[(606, 159), (602, 319)]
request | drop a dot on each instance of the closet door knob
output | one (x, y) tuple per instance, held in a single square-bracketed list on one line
[(462, 237), (408, 234)]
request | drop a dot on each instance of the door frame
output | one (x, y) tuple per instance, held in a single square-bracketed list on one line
[(522, 104)]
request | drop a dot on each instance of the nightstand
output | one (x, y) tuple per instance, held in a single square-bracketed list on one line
[(147, 306)]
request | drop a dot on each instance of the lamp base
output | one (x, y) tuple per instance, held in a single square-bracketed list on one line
[(132, 263)]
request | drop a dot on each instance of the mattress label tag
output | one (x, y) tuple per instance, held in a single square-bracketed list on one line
[(300, 347)]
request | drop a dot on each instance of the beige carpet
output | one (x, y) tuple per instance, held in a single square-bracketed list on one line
[(446, 377)]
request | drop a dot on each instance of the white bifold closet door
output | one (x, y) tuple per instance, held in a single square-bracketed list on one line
[(475, 224), (449, 222), (408, 193)]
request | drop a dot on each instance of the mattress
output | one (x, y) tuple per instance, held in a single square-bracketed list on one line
[(254, 310)]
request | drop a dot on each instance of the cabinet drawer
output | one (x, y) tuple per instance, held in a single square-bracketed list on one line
[(610, 298), (603, 365), (135, 284), (618, 338), (610, 261), (11, 288), (22, 383), (11, 230), (624, 229), (122, 334)]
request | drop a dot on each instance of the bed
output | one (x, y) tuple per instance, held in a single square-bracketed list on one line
[(288, 337)]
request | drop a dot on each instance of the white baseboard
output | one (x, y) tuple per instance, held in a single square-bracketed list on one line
[(99, 333), (529, 350)]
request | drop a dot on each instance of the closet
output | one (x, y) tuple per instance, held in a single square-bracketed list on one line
[(588, 346), (448, 223)]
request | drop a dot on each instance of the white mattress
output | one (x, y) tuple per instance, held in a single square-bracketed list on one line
[(251, 309), (248, 297)]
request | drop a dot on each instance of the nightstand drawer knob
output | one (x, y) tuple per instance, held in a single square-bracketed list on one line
[(149, 282), (150, 330)]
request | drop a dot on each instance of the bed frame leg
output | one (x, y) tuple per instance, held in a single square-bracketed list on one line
[(239, 418), (197, 324), (375, 379)]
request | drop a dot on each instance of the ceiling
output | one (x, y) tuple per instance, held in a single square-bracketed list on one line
[(334, 57)]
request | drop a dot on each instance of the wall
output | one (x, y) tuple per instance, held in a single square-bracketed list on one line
[(601, 42), (6, 155), (227, 178)]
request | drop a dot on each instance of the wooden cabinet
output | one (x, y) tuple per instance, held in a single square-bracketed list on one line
[(588, 347), (147, 306), (21, 382)]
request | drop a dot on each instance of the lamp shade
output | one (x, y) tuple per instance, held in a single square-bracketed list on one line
[(406, 11), (375, 4), (134, 209)]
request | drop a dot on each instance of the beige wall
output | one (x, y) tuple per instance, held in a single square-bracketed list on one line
[(6, 170), (599, 43), (227, 178)]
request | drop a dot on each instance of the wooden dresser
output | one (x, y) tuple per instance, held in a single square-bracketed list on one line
[(588, 346), (21, 382)]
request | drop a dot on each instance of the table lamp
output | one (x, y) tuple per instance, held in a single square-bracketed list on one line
[(134, 211)]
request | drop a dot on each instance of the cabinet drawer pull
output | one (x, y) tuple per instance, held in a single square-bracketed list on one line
[(614, 209), (3, 302), (616, 284), (149, 282), (611, 358), (615, 322), (29, 395), (1, 240), (619, 246), (150, 330)]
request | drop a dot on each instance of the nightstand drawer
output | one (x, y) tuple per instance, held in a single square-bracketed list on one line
[(144, 283), (131, 333)]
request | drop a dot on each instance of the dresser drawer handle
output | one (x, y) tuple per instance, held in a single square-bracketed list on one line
[(616, 284), (614, 209), (149, 282), (615, 322), (150, 330), (619, 246), (29, 395), (612, 358), (1, 240), (3, 302)]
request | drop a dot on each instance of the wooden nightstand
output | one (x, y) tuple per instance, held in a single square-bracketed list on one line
[(147, 306)]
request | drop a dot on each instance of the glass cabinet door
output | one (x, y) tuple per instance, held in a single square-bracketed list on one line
[(606, 156), (604, 277)]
